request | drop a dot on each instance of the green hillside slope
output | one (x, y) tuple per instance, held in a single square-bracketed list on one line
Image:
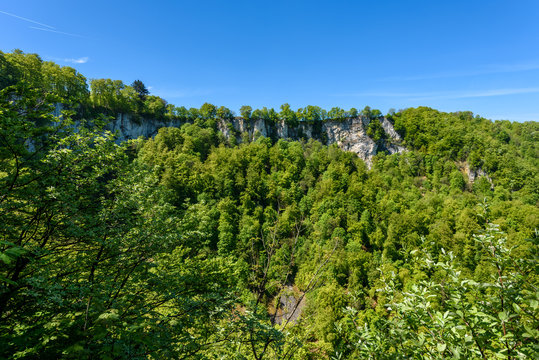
[(190, 246)]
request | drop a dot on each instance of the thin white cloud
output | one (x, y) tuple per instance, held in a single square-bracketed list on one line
[(26, 19), (82, 60), (447, 94), (488, 69), (56, 32), (44, 27)]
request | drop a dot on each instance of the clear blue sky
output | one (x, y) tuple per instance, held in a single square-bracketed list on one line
[(475, 55)]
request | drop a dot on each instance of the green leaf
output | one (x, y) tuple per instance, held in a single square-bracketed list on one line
[(5, 258)]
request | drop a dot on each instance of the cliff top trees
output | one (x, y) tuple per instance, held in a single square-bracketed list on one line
[(288, 115), (246, 111), (65, 82), (107, 93), (140, 89)]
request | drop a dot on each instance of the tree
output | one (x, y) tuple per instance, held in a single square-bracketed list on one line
[(375, 129), (246, 111), (269, 115), (92, 263), (458, 317), (225, 113), (155, 107), (366, 112), (208, 111), (107, 94), (313, 113), (288, 115), (65, 82), (336, 113), (8, 73), (140, 89)]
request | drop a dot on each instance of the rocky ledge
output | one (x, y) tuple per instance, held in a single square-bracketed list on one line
[(349, 134)]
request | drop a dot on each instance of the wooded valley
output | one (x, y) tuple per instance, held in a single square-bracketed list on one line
[(190, 245)]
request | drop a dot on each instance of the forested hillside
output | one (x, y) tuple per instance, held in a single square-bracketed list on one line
[(191, 246)]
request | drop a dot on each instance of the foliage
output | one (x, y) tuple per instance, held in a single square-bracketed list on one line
[(140, 89), (455, 316), (189, 246), (89, 254)]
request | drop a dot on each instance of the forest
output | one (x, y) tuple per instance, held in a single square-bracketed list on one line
[(191, 246)]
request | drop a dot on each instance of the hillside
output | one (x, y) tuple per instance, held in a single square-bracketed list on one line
[(299, 234)]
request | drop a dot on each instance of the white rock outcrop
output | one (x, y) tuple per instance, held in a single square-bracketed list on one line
[(349, 135)]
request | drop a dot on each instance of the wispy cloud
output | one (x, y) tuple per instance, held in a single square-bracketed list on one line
[(26, 19), (43, 27), (82, 60), (446, 94), (487, 69), (56, 32)]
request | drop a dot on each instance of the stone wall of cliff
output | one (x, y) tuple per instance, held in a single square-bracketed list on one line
[(349, 135)]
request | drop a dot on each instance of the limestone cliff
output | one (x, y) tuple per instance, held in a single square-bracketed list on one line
[(349, 135)]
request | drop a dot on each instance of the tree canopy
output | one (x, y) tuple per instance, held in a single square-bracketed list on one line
[(187, 245)]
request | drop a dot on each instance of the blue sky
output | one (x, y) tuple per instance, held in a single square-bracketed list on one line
[(481, 56)]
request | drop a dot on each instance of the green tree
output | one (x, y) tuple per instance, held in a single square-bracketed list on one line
[(140, 89), (92, 263), (337, 113), (8, 73), (155, 107), (106, 93), (246, 111), (225, 113), (459, 317), (288, 115), (208, 111)]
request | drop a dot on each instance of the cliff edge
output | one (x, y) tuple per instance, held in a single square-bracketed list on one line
[(350, 134)]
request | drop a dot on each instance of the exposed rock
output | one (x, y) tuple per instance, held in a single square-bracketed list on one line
[(260, 126), (474, 174), (289, 306), (349, 135), (129, 128), (390, 130)]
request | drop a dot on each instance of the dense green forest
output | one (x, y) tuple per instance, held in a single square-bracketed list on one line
[(190, 246)]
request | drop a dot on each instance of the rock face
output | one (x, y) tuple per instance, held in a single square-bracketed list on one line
[(474, 174), (128, 128), (289, 306), (349, 135)]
